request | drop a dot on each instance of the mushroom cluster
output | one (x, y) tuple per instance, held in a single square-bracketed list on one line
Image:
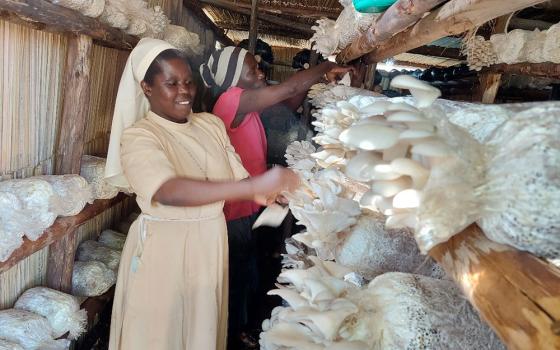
[(480, 53)]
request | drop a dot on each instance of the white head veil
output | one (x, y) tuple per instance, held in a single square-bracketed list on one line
[(131, 105)]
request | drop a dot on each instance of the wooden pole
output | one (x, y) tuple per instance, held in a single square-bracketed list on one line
[(253, 27), (515, 292), (70, 147), (454, 17), (370, 76)]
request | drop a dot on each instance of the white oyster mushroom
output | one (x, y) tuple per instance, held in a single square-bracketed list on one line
[(424, 126), (407, 199), (370, 137), (347, 345), (288, 335), (399, 150), (384, 172), (361, 166), (315, 290), (431, 148), (412, 168), (401, 106), (389, 188), (376, 108), (424, 93), (405, 116), (413, 135), (327, 322), (291, 296)]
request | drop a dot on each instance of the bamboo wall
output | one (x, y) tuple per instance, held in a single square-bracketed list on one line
[(31, 75), (31, 67)]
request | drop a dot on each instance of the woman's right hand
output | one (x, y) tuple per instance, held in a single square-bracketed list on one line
[(274, 181)]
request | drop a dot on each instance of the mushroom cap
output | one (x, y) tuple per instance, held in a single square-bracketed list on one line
[(389, 188), (424, 93), (370, 137), (407, 199), (405, 116), (361, 166), (431, 148), (401, 106), (415, 134)]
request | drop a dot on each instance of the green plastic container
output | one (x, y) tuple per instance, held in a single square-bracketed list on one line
[(372, 6)]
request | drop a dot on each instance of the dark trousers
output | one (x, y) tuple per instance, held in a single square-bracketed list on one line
[(243, 273)]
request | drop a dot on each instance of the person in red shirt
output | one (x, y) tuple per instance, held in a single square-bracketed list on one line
[(235, 72)]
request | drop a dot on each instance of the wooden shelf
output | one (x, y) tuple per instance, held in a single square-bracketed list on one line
[(43, 15), (516, 293), (61, 227), (544, 70)]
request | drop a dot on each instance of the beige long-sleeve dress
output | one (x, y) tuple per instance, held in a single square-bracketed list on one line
[(171, 291)]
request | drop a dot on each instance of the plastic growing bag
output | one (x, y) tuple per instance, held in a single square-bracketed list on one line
[(370, 249), (7, 345), (93, 170), (72, 193), (60, 309), (91, 278), (93, 250), (112, 239), (521, 195), (29, 330), (407, 311), (34, 213)]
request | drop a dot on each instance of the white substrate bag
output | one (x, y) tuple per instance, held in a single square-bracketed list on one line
[(115, 14), (91, 278), (29, 330), (93, 170), (72, 193), (93, 250), (11, 214), (60, 309), (407, 311), (521, 195), (370, 250), (509, 185), (35, 213), (182, 39), (145, 21), (7, 345), (90, 8), (112, 239)]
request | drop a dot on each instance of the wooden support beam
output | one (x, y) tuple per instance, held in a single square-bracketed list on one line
[(62, 226), (454, 17), (529, 24), (395, 19), (516, 293), (293, 11), (43, 15), (370, 76), (301, 27), (253, 27), (195, 8), (488, 88), (545, 70), (438, 51), (70, 148)]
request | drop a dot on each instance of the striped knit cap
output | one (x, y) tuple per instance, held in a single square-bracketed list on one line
[(223, 67)]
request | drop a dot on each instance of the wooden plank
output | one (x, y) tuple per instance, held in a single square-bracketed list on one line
[(43, 15), (454, 17), (70, 148), (545, 70), (331, 13), (301, 27), (253, 27), (61, 227), (438, 51), (516, 293)]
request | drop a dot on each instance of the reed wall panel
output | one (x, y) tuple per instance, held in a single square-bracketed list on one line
[(31, 67)]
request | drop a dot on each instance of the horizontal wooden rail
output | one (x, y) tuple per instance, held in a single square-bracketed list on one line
[(545, 70), (516, 293), (454, 17), (43, 15), (61, 227)]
